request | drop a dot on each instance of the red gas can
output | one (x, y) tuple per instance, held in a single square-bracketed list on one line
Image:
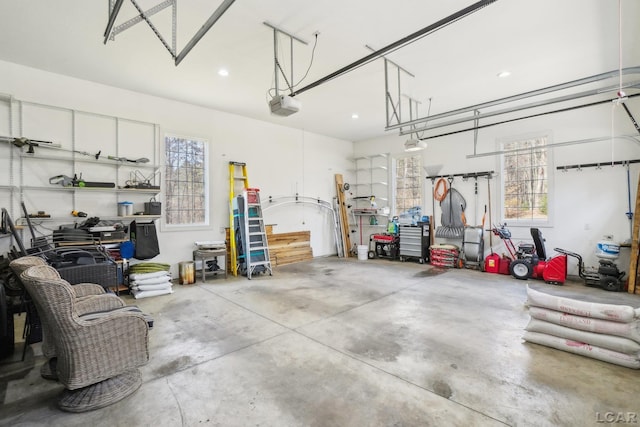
[(492, 263), (505, 261)]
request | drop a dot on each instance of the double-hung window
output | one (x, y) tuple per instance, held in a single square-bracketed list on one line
[(525, 180), (186, 182), (408, 183)]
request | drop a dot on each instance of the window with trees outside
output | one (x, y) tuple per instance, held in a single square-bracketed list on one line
[(525, 165), (186, 183), (408, 181)]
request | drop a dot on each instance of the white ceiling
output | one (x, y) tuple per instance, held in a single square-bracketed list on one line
[(541, 43)]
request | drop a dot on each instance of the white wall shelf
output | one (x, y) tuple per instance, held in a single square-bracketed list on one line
[(371, 179), (53, 187), (127, 219), (132, 217), (79, 158), (76, 135)]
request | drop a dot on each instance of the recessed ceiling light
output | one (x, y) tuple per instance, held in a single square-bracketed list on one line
[(223, 72), (504, 74), (354, 116)]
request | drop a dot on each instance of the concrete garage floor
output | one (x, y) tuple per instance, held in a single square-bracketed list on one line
[(336, 342)]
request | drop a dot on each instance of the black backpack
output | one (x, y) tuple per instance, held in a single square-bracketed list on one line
[(145, 239)]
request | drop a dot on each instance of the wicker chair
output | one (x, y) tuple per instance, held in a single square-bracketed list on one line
[(98, 353), (18, 266)]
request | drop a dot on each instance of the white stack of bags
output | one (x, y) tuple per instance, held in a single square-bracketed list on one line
[(144, 285), (606, 332)]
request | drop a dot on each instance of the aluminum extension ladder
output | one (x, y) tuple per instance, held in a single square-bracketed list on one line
[(252, 245)]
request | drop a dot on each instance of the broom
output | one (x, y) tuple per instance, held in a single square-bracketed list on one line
[(490, 223), (432, 172)]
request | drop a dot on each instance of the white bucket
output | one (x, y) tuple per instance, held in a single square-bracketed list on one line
[(363, 252), (125, 208)]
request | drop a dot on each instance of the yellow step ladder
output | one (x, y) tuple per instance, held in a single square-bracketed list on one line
[(238, 181)]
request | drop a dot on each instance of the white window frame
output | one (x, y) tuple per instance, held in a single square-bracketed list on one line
[(205, 225), (528, 222), (394, 181)]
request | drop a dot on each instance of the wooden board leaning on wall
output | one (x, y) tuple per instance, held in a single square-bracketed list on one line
[(284, 248)]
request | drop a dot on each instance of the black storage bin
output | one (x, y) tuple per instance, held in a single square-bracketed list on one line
[(152, 207)]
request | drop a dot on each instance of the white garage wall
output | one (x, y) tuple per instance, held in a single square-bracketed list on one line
[(587, 204), (281, 160)]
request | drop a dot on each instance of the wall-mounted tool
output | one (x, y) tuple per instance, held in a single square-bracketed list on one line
[(67, 181), (63, 180), (138, 180), (32, 143), (39, 214), (126, 159)]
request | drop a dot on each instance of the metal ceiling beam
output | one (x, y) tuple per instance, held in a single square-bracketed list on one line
[(141, 17), (391, 62), (398, 44), (110, 32), (203, 30), (113, 13), (542, 103), (277, 69), (543, 91), (633, 120), (560, 110), (154, 29), (279, 30)]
